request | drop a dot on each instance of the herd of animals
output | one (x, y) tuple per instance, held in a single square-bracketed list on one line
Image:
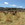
[(11, 14)]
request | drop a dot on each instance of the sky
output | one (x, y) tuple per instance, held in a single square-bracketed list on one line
[(12, 3)]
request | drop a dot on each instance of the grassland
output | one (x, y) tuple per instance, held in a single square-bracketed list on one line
[(10, 19)]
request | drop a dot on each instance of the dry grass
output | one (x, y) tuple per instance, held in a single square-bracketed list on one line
[(9, 19)]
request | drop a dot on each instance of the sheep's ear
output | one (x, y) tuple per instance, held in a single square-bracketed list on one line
[(13, 13), (5, 13)]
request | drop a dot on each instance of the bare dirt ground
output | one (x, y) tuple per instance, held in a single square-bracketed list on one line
[(9, 19)]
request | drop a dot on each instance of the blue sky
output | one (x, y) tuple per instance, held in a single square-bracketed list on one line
[(12, 3)]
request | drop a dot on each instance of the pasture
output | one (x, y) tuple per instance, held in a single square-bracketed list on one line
[(10, 19)]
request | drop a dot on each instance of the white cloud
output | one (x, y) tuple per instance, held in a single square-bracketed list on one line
[(16, 6), (13, 5), (20, 6), (6, 3)]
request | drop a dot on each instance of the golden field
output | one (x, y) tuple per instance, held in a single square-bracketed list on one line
[(10, 19)]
